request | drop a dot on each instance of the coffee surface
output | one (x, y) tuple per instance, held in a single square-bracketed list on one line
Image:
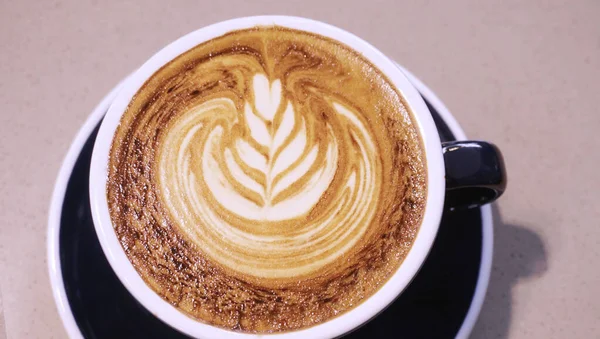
[(267, 180)]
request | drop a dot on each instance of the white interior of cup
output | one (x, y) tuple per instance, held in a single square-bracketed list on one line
[(336, 326)]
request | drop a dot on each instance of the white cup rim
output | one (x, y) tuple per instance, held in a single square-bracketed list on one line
[(333, 327)]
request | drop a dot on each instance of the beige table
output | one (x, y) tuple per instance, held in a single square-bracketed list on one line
[(524, 74)]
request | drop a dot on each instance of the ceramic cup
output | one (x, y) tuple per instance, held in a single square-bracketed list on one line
[(460, 174)]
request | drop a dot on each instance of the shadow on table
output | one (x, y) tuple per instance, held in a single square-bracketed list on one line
[(519, 253)]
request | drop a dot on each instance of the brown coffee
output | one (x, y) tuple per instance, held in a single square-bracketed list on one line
[(267, 180)]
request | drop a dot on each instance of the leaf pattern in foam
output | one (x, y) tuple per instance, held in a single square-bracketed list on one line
[(282, 153)]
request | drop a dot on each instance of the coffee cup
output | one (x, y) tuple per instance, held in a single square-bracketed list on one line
[(461, 174)]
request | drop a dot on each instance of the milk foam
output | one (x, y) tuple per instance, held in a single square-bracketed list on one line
[(245, 200)]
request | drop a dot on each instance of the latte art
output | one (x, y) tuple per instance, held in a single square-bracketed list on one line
[(245, 183), (266, 180)]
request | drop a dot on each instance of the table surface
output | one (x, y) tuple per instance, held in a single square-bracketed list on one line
[(523, 74)]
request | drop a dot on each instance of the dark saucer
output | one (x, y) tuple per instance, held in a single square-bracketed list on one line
[(433, 306)]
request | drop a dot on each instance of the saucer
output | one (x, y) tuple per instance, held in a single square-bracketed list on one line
[(443, 300)]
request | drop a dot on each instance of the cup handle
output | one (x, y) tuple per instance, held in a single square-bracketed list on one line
[(475, 173)]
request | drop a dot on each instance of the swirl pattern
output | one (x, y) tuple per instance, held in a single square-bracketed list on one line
[(256, 188), (266, 180)]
